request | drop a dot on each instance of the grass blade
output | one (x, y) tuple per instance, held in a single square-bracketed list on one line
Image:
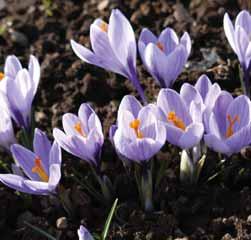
[(108, 220)]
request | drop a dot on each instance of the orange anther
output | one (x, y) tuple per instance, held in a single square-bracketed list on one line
[(79, 129), (232, 121), (135, 126), (2, 76), (104, 26), (172, 117), (39, 170), (160, 46)]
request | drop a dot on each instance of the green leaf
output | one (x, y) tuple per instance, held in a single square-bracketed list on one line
[(40, 231), (108, 220)]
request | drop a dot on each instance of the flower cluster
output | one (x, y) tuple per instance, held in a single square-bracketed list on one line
[(192, 119)]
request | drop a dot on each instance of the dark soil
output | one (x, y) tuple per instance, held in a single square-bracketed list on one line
[(218, 208)]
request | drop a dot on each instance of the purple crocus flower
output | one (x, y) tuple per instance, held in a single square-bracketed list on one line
[(139, 135), (229, 124), (239, 39), (204, 93), (165, 56), (35, 172), (183, 120), (82, 136), (84, 234), (114, 48), (21, 87)]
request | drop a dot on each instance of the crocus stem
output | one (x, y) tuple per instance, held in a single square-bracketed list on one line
[(192, 162), (135, 81), (105, 185), (246, 81), (143, 176)]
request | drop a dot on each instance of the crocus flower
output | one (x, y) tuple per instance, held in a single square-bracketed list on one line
[(82, 136), (182, 120), (165, 56), (139, 135), (229, 124), (204, 93), (239, 39), (239, 36), (35, 172), (114, 48), (21, 87), (84, 234), (7, 136)]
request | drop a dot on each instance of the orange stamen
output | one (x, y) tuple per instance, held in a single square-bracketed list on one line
[(39, 170), (232, 121), (135, 126), (1, 76), (79, 129), (176, 120), (104, 26), (160, 46)]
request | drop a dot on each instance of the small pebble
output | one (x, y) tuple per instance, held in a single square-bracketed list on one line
[(62, 223)]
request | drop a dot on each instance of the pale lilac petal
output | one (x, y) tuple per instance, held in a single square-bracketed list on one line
[(66, 143), (94, 123), (55, 155), (15, 182), (83, 234), (88, 56), (169, 39), (242, 41), (84, 113), (126, 118), (185, 40), (112, 131), (213, 126), (12, 66), (212, 95), (122, 39), (25, 159), (203, 85), (192, 136), (229, 31), (17, 170), (131, 104), (146, 36), (42, 147), (240, 139), (37, 186), (164, 68), (241, 108), (34, 71), (189, 93), (55, 176), (146, 117), (220, 110), (173, 134), (216, 144), (170, 101), (101, 47), (7, 136), (20, 96), (248, 55), (196, 110), (243, 19), (69, 122)]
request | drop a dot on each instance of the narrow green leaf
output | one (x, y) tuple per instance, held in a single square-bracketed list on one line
[(108, 220), (40, 231)]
